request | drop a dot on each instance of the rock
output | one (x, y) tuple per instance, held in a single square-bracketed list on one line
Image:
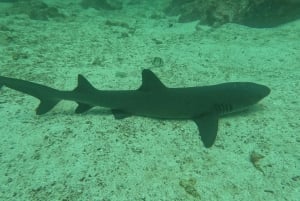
[(101, 4), (253, 13)]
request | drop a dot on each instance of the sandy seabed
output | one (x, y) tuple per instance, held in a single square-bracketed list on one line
[(92, 156)]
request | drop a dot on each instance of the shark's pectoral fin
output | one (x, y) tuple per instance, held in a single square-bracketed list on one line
[(45, 106), (81, 108), (208, 127), (120, 114)]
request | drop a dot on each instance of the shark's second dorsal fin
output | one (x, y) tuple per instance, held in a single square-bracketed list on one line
[(83, 86), (150, 82)]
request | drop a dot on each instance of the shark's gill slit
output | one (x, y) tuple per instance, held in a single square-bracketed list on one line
[(223, 108), (230, 108)]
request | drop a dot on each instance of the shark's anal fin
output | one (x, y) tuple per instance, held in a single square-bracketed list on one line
[(82, 107), (208, 128), (45, 106), (120, 114)]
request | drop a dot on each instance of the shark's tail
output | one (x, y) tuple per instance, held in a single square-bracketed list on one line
[(48, 96)]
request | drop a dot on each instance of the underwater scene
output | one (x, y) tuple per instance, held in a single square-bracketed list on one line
[(138, 100)]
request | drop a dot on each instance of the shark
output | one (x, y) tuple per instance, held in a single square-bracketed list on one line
[(204, 105)]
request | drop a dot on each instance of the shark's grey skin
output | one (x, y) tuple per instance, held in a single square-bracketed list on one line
[(204, 105)]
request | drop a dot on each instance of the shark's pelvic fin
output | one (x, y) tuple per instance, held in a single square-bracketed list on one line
[(120, 114), (208, 127), (82, 107), (150, 82)]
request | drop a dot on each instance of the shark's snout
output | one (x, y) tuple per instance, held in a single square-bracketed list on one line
[(249, 93), (264, 91)]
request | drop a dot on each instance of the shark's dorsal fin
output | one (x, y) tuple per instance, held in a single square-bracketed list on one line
[(150, 82), (83, 84)]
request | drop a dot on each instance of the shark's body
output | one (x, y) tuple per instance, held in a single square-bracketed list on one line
[(204, 105)]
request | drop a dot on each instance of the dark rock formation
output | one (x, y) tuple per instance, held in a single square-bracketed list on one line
[(101, 4), (35, 9), (271, 13), (253, 13)]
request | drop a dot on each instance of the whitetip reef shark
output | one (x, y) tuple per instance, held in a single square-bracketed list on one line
[(204, 105)]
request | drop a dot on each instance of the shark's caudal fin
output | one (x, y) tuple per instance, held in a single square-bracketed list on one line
[(47, 95), (83, 86)]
